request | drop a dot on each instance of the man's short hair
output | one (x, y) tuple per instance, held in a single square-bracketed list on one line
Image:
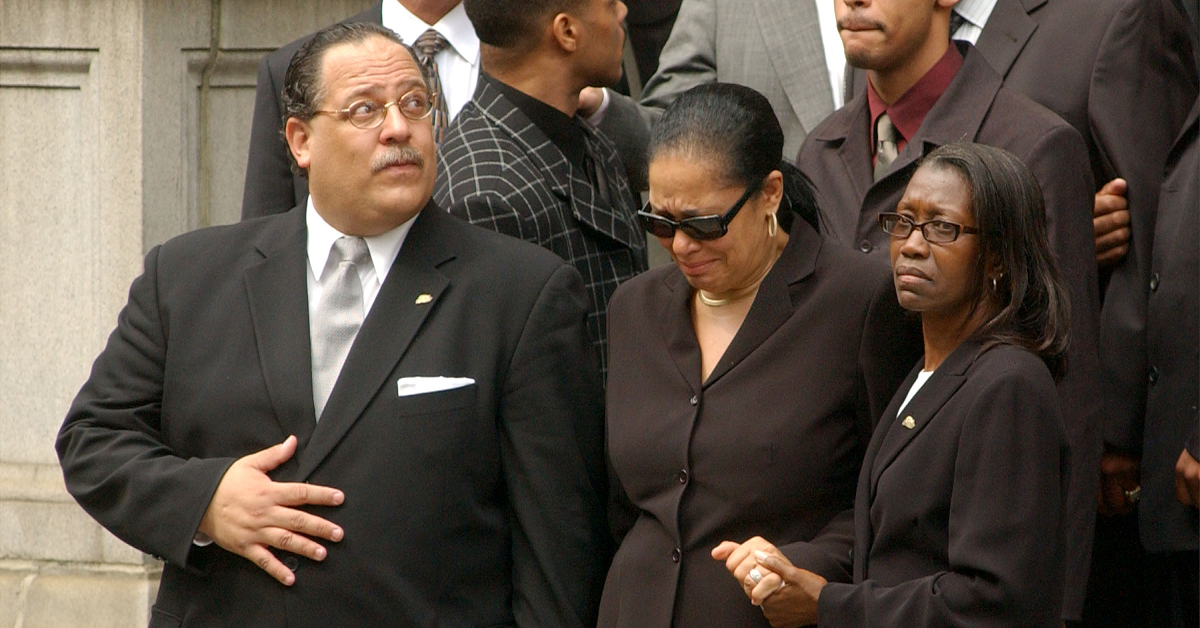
[(513, 24), (303, 89)]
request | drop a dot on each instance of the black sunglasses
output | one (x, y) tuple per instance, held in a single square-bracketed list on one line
[(708, 227)]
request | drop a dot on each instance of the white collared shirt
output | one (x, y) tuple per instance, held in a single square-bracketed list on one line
[(975, 14), (458, 63), (835, 53), (321, 236)]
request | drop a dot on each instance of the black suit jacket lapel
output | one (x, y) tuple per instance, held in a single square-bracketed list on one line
[(277, 290), (1007, 31), (928, 401), (773, 304), (386, 333), (847, 134)]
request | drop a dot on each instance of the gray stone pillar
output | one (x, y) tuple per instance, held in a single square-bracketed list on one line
[(122, 123)]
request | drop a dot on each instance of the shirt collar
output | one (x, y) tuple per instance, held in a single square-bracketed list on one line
[(909, 111), (564, 131), (383, 247), (455, 26), (976, 12)]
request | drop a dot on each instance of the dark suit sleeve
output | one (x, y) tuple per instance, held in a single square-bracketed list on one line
[(550, 419), (270, 184), (1143, 85), (113, 458), (1004, 517)]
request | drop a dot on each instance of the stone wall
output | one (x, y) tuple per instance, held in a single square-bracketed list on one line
[(122, 123)]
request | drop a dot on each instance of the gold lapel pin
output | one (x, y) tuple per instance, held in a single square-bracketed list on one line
[(908, 422), (423, 299)]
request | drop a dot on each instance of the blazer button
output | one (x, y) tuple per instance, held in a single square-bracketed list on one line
[(865, 246), (683, 476), (1154, 280), (695, 400), (291, 562), (1153, 374), (676, 554)]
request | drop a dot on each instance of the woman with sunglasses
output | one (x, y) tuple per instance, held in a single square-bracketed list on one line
[(744, 378), (959, 510)]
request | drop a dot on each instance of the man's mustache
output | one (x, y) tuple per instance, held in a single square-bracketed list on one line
[(397, 156)]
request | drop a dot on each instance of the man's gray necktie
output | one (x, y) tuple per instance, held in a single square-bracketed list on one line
[(338, 316), (427, 46), (886, 145)]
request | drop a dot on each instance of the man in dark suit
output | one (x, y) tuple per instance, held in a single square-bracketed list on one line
[(1161, 434), (520, 161), (438, 412), (271, 185), (649, 24), (924, 92)]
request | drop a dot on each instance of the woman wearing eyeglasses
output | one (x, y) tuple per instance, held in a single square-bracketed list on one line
[(745, 378), (958, 516)]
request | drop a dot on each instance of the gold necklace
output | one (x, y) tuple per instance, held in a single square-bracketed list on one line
[(749, 292)]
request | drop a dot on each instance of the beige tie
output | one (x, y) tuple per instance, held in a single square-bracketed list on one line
[(337, 318), (886, 150), (428, 45)]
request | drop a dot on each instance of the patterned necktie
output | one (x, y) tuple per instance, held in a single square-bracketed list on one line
[(596, 173), (956, 22), (338, 316), (886, 145), (428, 45)]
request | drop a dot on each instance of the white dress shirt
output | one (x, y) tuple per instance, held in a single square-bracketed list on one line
[(458, 63), (321, 236), (975, 14)]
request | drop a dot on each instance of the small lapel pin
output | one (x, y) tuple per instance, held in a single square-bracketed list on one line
[(423, 299), (908, 422)]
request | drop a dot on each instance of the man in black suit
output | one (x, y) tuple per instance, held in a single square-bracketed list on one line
[(351, 414), (271, 185), (520, 161), (923, 92)]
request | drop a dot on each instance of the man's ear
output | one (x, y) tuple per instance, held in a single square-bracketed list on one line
[(946, 4), (298, 134), (566, 32)]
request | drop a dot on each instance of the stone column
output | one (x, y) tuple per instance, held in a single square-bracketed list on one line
[(122, 124)]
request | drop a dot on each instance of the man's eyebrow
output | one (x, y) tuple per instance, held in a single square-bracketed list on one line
[(364, 90)]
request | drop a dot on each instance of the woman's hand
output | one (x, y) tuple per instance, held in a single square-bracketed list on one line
[(787, 595)]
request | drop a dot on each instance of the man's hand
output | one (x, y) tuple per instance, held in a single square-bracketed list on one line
[(1187, 480), (590, 100), (787, 595), (250, 512), (1110, 221), (1119, 474)]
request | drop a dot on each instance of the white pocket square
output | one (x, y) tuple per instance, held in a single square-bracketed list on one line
[(408, 386)]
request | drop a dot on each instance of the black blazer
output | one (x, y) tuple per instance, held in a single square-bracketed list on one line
[(1171, 383), (770, 444), (977, 108), (271, 187), (470, 507), (958, 520), (498, 170)]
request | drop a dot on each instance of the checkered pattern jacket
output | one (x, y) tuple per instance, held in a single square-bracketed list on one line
[(498, 170)]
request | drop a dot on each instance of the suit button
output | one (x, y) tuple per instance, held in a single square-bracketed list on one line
[(1154, 279), (292, 563), (695, 400), (1153, 374), (676, 554), (683, 476), (865, 246)]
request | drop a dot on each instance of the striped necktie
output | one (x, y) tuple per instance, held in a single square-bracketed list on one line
[(427, 46)]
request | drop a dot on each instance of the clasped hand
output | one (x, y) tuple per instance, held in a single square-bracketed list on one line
[(787, 594), (250, 512)]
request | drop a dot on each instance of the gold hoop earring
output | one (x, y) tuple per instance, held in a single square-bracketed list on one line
[(773, 228), (995, 288)]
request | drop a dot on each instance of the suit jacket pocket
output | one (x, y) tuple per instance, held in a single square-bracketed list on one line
[(437, 402)]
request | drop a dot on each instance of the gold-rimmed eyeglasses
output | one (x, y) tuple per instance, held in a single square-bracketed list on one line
[(368, 114)]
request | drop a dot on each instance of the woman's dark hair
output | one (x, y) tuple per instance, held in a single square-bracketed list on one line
[(736, 128), (1007, 204)]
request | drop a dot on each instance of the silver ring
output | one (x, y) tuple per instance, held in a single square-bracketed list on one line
[(1134, 495), (755, 575)]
